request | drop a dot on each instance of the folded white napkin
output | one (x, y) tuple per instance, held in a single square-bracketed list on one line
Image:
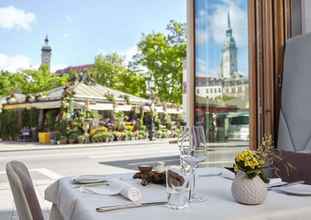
[(116, 187), (128, 191), (85, 179)]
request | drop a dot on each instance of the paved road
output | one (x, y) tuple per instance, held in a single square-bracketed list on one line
[(48, 165), (98, 160)]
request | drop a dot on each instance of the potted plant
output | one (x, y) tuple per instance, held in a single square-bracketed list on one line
[(249, 185)]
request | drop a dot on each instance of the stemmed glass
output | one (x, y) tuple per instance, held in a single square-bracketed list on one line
[(193, 148)]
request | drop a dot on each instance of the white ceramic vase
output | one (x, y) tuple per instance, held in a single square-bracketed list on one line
[(248, 191)]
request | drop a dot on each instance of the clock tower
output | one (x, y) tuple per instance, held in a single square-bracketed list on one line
[(229, 65), (46, 53)]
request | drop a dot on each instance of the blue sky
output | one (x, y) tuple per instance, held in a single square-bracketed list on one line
[(78, 29), (211, 22)]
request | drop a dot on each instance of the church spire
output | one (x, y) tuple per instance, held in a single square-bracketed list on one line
[(229, 65), (46, 40), (229, 21)]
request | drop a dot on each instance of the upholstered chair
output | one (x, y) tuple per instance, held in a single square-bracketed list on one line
[(294, 135)]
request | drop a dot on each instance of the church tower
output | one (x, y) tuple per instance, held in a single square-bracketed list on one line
[(46, 53), (229, 64)]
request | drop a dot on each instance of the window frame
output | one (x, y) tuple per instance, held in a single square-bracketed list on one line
[(270, 24)]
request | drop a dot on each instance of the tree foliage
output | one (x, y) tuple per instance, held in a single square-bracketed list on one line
[(163, 55), (110, 70), (29, 81)]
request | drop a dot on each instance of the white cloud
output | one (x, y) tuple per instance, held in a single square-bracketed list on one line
[(201, 67), (217, 22), (201, 37), (201, 27), (11, 17), (204, 70), (129, 54), (14, 63)]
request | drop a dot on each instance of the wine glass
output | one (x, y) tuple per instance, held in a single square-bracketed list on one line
[(192, 145)]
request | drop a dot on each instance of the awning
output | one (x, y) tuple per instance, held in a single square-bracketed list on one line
[(45, 105), (37, 105), (123, 108), (95, 106)]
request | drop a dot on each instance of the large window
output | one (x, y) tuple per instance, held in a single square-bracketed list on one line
[(221, 71)]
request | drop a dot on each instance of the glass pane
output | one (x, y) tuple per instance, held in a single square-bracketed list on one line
[(221, 70)]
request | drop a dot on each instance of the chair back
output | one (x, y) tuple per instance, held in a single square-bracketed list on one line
[(25, 198), (295, 121)]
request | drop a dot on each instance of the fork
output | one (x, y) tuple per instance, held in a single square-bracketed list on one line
[(128, 206)]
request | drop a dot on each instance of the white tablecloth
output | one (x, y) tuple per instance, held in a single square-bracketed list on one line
[(72, 204)]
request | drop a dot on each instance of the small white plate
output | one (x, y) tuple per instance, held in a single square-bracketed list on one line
[(299, 190)]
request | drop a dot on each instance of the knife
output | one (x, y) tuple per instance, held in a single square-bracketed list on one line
[(128, 206), (90, 184), (287, 184)]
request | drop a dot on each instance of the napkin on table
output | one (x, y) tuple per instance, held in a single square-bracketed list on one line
[(88, 179), (116, 187)]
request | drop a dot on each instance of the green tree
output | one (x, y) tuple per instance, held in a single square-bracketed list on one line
[(106, 68), (29, 81), (163, 55), (110, 70), (131, 82), (8, 83), (34, 81)]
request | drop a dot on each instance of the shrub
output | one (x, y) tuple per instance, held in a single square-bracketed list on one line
[(142, 134), (129, 126), (102, 137), (129, 135), (98, 130)]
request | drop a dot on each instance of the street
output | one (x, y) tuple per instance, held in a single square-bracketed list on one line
[(48, 165)]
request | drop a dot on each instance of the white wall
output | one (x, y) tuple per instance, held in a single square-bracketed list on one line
[(306, 16)]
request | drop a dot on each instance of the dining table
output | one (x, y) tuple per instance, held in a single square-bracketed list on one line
[(72, 203)]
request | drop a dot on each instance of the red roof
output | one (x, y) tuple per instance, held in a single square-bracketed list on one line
[(78, 69)]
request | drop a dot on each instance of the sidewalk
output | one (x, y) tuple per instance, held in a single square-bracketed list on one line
[(26, 146)]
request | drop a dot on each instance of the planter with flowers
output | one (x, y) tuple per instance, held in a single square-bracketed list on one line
[(249, 185)]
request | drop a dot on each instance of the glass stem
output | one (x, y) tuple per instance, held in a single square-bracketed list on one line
[(193, 183)]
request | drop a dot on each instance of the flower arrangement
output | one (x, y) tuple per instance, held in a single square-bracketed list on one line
[(252, 163)]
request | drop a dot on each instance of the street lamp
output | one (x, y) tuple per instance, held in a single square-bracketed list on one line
[(150, 125)]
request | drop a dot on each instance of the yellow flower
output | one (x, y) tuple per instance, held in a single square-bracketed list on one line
[(248, 160)]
